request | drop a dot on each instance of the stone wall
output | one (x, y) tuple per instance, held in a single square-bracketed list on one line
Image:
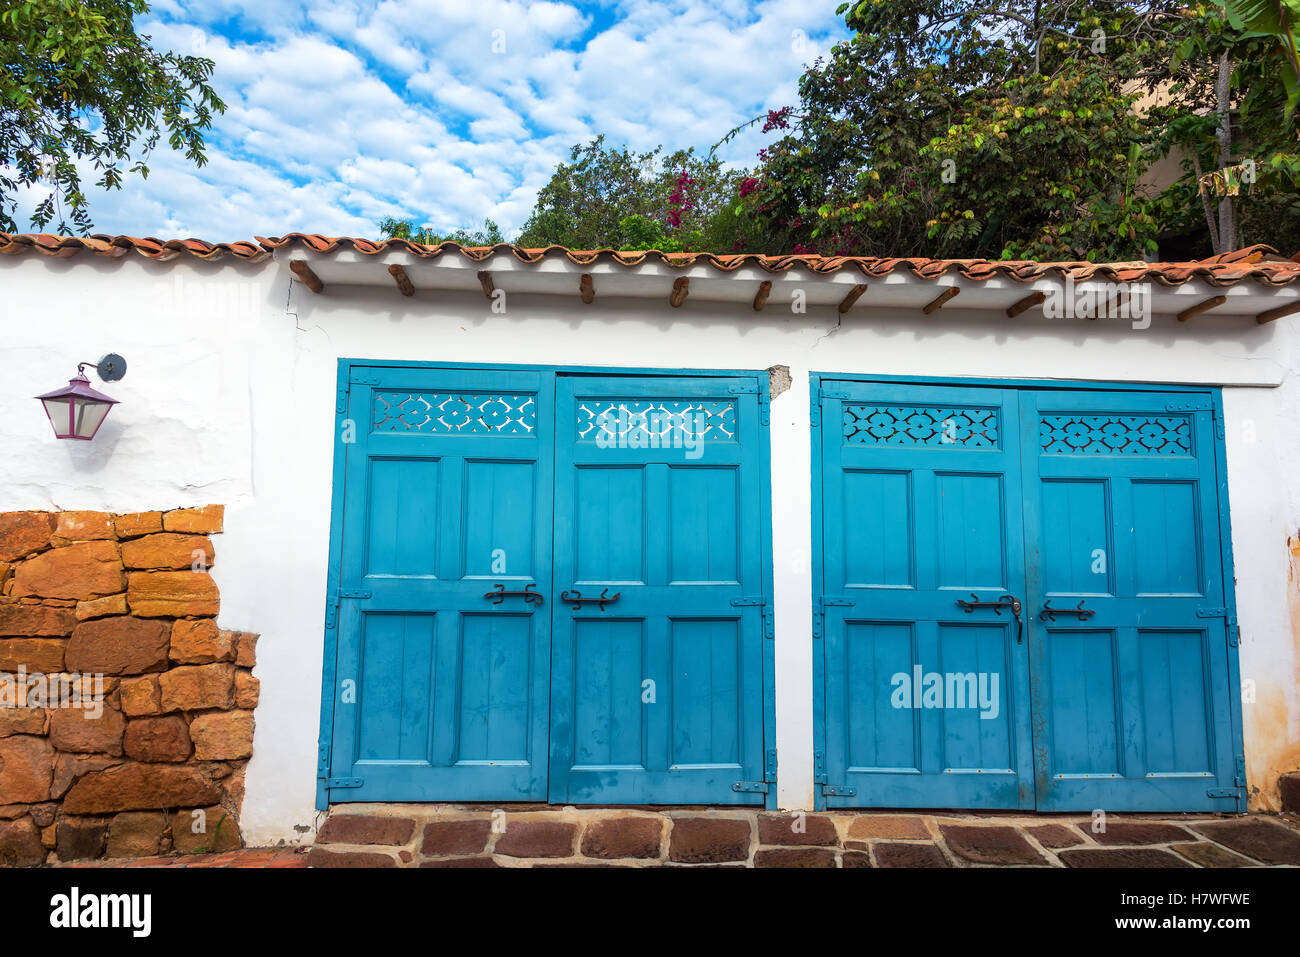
[(126, 713)]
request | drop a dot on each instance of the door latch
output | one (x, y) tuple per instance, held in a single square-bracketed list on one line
[(1002, 601)]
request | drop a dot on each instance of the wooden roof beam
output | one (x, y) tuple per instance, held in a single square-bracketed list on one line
[(485, 280), (1193, 311), (681, 287), (851, 297), (1024, 305), (1278, 313), (939, 300), (304, 273), (587, 288), (404, 284), (760, 297)]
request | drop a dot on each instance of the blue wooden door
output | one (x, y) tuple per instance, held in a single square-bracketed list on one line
[(1130, 643), (925, 698), (657, 691), (1098, 514), (441, 685)]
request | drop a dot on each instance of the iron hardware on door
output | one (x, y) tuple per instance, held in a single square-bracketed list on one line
[(1002, 601), (1049, 613), (530, 594), (575, 598)]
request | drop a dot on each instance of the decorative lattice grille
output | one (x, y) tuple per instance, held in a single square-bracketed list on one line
[(915, 426), (655, 423), (1068, 434), (455, 413)]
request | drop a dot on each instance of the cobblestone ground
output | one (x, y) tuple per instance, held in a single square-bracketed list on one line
[(465, 836), (478, 836)]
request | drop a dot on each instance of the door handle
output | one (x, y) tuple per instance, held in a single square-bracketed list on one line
[(1002, 601), (1049, 613), (530, 594), (576, 599)]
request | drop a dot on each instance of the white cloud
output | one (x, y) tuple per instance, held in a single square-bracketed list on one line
[(449, 112)]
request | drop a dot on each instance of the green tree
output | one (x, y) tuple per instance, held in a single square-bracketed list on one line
[(78, 85), (1234, 118), (959, 128), (614, 198), (488, 235)]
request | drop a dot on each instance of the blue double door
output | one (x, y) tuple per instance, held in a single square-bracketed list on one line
[(549, 587), (1023, 600)]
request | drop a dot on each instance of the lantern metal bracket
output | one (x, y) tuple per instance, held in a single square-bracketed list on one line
[(111, 368)]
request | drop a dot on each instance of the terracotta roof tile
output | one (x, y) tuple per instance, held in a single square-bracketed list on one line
[(117, 246), (1259, 262)]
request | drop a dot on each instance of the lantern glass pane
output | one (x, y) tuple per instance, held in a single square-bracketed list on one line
[(57, 410), (88, 416)]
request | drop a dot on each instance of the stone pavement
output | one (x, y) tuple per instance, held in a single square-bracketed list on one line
[(243, 857), (412, 835), (396, 835)]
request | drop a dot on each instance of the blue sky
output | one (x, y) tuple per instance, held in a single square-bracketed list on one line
[(449, 112)]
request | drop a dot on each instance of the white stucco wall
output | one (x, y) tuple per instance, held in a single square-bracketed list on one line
[(229, 399)]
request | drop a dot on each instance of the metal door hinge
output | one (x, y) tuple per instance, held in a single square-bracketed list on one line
[(332, 606), (815, 403), (344, 782), (1240, 779), (1190, 405), (1234, 633), (819, 616), (341, 405), (769, 619), (761, 390), (364, 378), (819, 767), (839, 790), (769, 775), (323, 761)]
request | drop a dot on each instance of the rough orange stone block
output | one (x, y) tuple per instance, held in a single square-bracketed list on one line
[(200, 521), (28, 765), (140, 787), (16, 720), (29, 619), (83, 527), (135, 834), (199, 642), (158, 740), (130, 524), (222, 736), (197, 687), (205, 830), (101, 607), (172, 594), (140, 696), (22, 533), (78, 731), (247, 690), (82, 571), (119, 646), (168, 550), (37, 655), (245, 648)]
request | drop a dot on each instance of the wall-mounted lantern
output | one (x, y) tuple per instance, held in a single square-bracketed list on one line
[(77, 411)]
